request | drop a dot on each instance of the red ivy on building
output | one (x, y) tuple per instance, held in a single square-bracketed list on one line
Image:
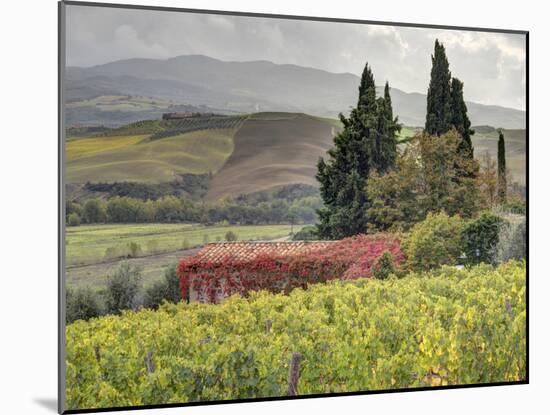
[(213, 278)]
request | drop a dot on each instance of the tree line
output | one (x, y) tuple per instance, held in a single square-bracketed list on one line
[(173, 209)]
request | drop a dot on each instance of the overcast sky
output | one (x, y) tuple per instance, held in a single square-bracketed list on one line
[(491, 65)]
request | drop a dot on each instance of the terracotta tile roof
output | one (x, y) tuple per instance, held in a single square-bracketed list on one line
[(246, 251)]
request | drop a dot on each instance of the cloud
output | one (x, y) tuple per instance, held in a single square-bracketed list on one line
[(492, 65)]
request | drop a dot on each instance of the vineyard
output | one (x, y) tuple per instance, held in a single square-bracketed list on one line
[(445, 327), (186, 125), (168, 128)]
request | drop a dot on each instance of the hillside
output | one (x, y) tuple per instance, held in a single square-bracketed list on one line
[(242, 154), (245, 87), (152, 151), (273, 149), (253, 152), (117, 110)]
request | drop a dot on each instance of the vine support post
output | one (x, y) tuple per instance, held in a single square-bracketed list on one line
[(267, 327), (294, 374), (149, 363), (97, 353)]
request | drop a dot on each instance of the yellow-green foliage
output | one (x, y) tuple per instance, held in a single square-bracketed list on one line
[(434, 242), (448, 327)]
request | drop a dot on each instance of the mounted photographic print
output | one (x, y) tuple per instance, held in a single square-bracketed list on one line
[(258, 207)]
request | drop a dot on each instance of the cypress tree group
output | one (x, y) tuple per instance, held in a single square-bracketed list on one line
[(367, 142), (459, 118), (501, 169), (446, 107), (438, 115)]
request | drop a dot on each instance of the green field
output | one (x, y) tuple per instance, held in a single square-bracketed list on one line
[(135, 158), (88, 244), (407, 132), (90, 248)]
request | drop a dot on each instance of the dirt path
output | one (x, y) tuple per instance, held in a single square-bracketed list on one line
[(95, 275), (153, 266), (282, 239)]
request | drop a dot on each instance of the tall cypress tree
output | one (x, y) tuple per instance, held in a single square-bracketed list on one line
[(367, 89), (387, 99), (438, 115), (357, 150), (387, 129), (501, 169), (459, 118)]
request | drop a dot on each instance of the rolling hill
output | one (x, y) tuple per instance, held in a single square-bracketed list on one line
[(273, 149), (243, 154), (118, 110), (245, 87), (151, 151)]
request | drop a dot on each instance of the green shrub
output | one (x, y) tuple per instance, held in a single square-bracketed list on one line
[(73, 219), (81, 304), (112, 252), (434, 242), (154, 295), (307, 233), (122, 288), (384, 266), (230, 236), (512, 241), (168, 289), (480, 238), (173, 283), (72, 207), (134, 249)]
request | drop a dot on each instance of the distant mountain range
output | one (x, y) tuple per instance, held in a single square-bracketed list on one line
[(197, 80)]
